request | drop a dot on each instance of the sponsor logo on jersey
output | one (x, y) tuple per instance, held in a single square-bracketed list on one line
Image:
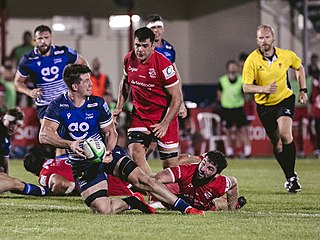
[(168, 72), (168, 47), (260, 68), (33, 58), (39, 63), (207, 195), (89, 116), (152, 73), (90, 105), (49, 74), (132, 69), (142, 84), (68, 115), (57, 60), (64, 105), (78, 127), (58, 52)]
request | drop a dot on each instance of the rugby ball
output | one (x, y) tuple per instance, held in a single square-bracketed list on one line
[(94, 149)]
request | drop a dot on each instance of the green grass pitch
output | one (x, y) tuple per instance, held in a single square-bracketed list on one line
[(270, 212)]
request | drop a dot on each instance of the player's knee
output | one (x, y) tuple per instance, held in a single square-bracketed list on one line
[(99, 202), (169, 159), (139, 137)]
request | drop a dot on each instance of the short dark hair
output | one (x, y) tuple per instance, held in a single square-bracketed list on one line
[(16, 112), (42, 28), (243, 56), (72, 72), (154, 18), (232, 61), (218, 159), (143, 34)]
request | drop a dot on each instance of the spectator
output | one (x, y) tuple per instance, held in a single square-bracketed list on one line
[(100, 81), (7, 72), (231, 99), (20, 50), (313, 67)]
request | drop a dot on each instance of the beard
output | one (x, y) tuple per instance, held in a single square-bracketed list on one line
[(266, 47), (44, 49)]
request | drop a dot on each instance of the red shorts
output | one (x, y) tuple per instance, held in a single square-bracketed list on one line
[(117, 187), (169, 140)]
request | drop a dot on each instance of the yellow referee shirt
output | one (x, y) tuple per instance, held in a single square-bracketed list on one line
[(260, 71)]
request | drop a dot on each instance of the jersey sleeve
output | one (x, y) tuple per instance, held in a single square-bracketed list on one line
[(105, 116), (72, 54), (296, 61), (52, 112), (22, 67), (248, 75), (180, 172), (168, 74)]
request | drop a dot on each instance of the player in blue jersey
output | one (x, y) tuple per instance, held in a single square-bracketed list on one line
[(77, 115), (9, 123), (44, 65), (155, 23)]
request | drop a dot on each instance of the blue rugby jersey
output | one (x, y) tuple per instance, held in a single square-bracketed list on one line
[(167, 50), (46, 71), (79, 123)]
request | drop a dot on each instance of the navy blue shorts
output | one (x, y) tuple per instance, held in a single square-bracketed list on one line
[(269, 114), (235, 116)]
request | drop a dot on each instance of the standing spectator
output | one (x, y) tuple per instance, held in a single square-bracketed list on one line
[(313, 67), (100, 81), (231, 99), (3, 105), (27, 46), (265, 75), (9, 123), (156, 97), (7, 72)]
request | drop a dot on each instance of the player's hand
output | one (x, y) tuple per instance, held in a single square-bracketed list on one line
[(303, 97), (183, 111), (116, 113), (107, 158), (36, 93), (75, 147), (272, 88), (159, 129)]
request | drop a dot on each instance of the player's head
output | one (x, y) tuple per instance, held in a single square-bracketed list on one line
[(33, 161), (43, 39), (143, 43), (232, 68), (13, 119), (155, 23), (27, 37), (314, 59), (77, 78), (265, 38), (213, 162)]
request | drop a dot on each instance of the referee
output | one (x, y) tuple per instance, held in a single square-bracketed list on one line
[(265, 75)]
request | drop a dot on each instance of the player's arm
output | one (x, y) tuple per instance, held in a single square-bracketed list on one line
[(164, 176), (187, 159), (48, 135), (232, 194), (301, 77), (82, 60), (20, 86), (252, 88), (123, 93), (112, 138), (160, 129)]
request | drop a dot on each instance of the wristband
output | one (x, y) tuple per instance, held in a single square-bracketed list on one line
[(303, 90)]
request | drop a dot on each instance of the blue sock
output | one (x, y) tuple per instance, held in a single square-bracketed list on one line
[(181, 205), (34, 190)]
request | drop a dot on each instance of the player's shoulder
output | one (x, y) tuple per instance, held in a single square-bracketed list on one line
[(28, 57), (60, 50), (168, 45), (159, 57), (95, 101)]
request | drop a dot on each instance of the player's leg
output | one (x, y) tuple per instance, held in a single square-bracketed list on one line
[(139, 142), (93, 187), (128, 170), (4, 164)]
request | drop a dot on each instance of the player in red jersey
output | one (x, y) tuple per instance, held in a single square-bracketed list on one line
[(201, 184), (156, 97)]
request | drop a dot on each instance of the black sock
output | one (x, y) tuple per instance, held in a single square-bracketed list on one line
[(135, 203), (287, 159)]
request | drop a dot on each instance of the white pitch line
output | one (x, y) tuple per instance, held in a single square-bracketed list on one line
[(45, 206), (284, 214)]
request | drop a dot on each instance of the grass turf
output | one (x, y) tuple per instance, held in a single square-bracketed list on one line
[(270, 212)]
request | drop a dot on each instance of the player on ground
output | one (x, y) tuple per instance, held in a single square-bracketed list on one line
[(201, 184), (265, 75), (156, 97), (77, 115)]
